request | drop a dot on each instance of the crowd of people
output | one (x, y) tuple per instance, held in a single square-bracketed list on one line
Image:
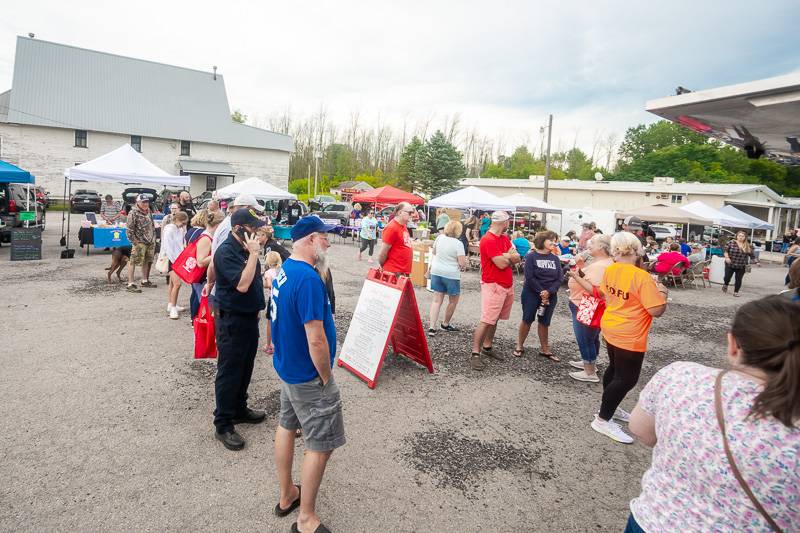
[(612, 300)]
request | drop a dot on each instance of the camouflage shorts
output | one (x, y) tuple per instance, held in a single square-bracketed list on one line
[(143, 253)]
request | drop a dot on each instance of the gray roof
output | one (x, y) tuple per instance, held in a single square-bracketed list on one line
[(213, 168), (67, 87)]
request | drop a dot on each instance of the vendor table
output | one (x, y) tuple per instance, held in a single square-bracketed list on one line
[(109, 237), (282, 233)]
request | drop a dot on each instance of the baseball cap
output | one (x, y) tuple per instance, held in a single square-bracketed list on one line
[(499, 216), (633, 222), (248, 217), (143, 198), (308, 225), (248, 200)]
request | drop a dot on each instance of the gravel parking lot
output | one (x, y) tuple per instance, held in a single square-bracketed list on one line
[(108, 418)]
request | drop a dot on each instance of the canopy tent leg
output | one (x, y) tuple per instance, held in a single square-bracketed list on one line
[(63, 241)]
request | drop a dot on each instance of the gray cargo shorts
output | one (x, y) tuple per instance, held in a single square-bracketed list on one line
[(315, 409)]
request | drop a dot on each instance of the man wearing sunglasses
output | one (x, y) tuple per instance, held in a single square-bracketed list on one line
[(396, 252)]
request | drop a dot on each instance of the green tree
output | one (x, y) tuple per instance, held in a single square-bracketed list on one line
[(237, 116), (298, 186), (406, 173), (578, 165), (439, 166), (641, 140), (339, 163)]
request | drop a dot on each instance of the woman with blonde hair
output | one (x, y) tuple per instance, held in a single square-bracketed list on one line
[(448, 259), (203, 254), (633, 298), (738, 254), (171, 247), (198, 223), (273, 263), (726, 442)]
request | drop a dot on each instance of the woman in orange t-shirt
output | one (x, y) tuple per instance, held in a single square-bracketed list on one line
[(633, 298)]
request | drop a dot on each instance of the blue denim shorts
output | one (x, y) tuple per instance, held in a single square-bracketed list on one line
[(449, 286), (530, 305)]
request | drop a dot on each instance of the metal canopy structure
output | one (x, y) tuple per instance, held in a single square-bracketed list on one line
[(761, 117)]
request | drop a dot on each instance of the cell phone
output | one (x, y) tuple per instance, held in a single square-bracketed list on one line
[(581, 273)]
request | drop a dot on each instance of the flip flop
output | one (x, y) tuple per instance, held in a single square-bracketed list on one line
[(518, 352), (320, 529), (294, 505), (550, 356)]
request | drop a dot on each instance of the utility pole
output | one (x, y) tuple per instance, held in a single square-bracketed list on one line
[(316, 170), (547, 166), (308, 181)]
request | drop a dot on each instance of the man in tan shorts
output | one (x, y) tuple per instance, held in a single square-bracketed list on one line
[(142, 234)]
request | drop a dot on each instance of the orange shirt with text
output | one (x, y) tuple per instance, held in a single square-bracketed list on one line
[(630, 292)]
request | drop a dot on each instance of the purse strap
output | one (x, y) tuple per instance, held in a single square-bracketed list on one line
[(734, 468)]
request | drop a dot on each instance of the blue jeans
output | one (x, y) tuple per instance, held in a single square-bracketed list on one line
[(588, 338), (632, 526)]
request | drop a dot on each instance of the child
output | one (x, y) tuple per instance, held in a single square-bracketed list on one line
[(273, 263)]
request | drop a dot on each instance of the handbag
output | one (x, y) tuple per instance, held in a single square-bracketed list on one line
[(186, 267), (162, 264), (735, 469), (591, 309), (205, 339)]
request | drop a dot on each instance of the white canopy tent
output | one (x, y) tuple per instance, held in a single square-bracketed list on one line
[(259, 188), (123, 165), (472, 198), (753, 222), (523, 202), (719, 218)]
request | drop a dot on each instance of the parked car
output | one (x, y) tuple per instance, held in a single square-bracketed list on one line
[(202, 198), (129, 197), (337, 211), (15, 198), (662, 232), (714, 234), (320, 201), (85, 200)]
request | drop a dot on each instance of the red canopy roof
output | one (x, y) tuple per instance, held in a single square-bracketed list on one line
[(387, 195)]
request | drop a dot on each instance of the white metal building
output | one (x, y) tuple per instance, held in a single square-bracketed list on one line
[(68, 105)]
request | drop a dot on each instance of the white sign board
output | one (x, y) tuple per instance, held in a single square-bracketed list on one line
[(369, 328)]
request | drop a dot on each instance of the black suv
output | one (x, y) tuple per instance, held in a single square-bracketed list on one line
[(85, 200), (129, 198), (15, 198)]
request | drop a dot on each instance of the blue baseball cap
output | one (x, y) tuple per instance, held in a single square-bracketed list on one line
[(248, 217), (308, 225)]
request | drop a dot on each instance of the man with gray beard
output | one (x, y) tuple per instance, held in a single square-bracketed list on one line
[(304, 336)]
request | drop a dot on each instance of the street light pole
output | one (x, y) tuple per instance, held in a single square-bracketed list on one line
[(547, 167)]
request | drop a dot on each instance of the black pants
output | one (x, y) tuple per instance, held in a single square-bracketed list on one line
[(620, 377), (237, 344), (368, 243), (729, 272)]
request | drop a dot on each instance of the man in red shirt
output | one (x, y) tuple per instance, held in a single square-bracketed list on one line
[(497, 287), (396, 252)]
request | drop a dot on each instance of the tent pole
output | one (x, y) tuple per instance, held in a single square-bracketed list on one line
[(63, 214), (69, 212)]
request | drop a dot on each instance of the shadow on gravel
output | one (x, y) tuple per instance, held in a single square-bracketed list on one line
[(455, 460), (93, 286)]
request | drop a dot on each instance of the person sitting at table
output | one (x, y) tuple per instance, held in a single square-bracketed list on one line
[(666, 246), (564, 246), (110, 211), (697, 254), (651, 246), (522, 244), (685, 248), (672, 261)]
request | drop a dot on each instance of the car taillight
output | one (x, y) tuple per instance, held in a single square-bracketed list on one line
[(12, 206)]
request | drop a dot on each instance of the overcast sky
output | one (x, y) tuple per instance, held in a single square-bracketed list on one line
[(502, 66)]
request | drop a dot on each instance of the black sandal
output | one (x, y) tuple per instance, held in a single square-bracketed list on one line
[(294, 505), (550, 356), (518, 352), (320, 529)]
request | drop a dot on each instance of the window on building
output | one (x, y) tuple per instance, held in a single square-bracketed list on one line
[(186, 147), (80, 138), (136, 142), (676, 199), (211, 183)]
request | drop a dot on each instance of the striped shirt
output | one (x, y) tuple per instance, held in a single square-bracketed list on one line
[(110, 211)]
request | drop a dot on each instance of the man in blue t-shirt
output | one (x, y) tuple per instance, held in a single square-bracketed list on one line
[(304, 336)]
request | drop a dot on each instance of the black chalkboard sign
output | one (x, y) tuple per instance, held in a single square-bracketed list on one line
[(26, 244)]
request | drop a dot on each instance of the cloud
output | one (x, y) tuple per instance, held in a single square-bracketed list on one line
[(502, 66)]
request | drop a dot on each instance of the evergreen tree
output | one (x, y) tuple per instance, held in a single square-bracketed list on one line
[(407, 178), (439, 166)]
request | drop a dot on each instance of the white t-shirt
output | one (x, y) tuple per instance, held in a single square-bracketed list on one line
[(445, 261), (172, 241)]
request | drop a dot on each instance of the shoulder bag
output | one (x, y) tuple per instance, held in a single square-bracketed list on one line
[(186, 267), (731, 462), (591, 309)]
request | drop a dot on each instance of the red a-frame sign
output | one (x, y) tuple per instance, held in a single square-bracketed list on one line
[(386, 312)]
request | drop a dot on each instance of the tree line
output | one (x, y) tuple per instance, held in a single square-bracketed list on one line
[(422, 158)]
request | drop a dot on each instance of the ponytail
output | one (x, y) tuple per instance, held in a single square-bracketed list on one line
[(768, 333)]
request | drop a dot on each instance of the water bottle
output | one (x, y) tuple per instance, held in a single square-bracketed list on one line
[(541, 310)]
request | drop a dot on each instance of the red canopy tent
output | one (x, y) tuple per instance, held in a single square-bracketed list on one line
[(387, 195)]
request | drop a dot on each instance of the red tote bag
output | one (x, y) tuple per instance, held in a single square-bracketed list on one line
[(591, 308), (205, 340), (186, 267)]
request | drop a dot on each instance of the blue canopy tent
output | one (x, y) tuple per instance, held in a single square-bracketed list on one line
[(13, 174)]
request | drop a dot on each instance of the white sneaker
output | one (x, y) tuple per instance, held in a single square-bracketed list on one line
[(169, 308), (622, 415), (583, 376), (370, 261), (180, 308), (173, 313), (577, 364), (611, 430)]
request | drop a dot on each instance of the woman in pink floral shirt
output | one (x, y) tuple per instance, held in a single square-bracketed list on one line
[(690, 485)]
